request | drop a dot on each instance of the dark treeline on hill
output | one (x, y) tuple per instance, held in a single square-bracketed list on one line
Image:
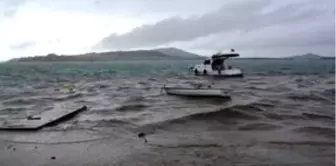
[(115, 55), (308, 56)]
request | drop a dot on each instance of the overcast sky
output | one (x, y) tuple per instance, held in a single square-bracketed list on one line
[(255, 28)]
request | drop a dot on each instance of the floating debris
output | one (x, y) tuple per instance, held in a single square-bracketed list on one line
[(34, 117), (143, 136)]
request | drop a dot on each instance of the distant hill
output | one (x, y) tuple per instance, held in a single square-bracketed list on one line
[(114, 55), (177, 52), (256, 58), (305, 56), (309, 56), (156, 54)]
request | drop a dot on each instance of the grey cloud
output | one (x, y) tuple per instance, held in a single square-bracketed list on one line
[(324, 37), (134, 8), (171, 7), (22, 45), (317, 36), (238, 16), (302, 35)]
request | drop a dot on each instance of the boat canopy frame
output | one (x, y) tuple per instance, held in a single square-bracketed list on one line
[(224, 56)]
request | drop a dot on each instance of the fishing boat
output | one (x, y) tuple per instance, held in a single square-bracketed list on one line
[(196, 92), (216, 66)]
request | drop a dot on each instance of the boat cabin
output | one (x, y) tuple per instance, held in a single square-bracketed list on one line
[(217, 61)]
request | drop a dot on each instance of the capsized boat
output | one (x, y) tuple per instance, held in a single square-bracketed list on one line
[(196, 92), (216, 66)]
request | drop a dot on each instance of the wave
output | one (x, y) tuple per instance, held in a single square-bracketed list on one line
[(102, 86), (152, 79), (136, 99), (252, 87), (112, 122), (12, 110), (131, 107), (186, 146), (331, 82), (68, 97), (224, 115), (143, 83), (307, 97), (265, 104), (282, 116), (234, 112), (38, 100), (316, 130), (314, 143), (123, 87), (329, 93), (259, 126), (279, 88), (306, 82), (21, 101), (314, 116), (95, 87), (257, 82), (4, 96)]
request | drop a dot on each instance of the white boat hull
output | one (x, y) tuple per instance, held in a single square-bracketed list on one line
[(194, 92), (207, 70)]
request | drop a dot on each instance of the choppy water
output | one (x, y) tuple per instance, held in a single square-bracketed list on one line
[(281, 112)]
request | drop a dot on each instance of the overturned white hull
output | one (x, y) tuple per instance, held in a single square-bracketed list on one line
[(195, 92)]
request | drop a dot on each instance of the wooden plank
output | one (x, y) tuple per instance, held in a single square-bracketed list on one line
[(37, 121)]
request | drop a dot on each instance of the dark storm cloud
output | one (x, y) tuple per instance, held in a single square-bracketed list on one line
[(247, 15), (312, 36), (315, 34)]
